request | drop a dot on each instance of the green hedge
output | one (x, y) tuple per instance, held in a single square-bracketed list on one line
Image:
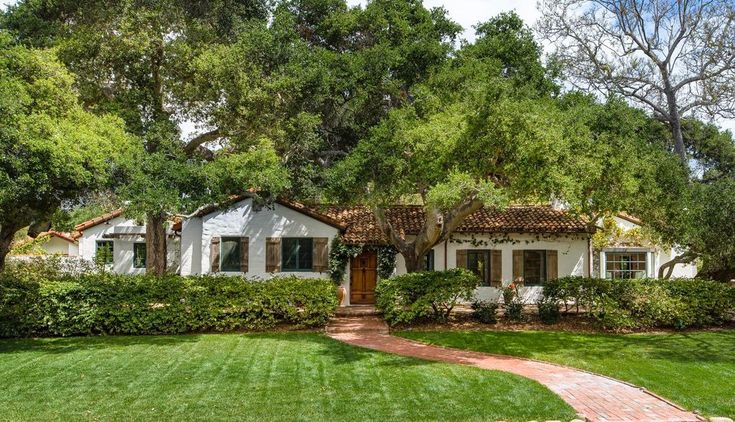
[(116, 304), (429, 295), (645, 303)]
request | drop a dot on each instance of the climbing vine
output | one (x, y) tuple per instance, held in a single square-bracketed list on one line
[(499, 239), (612, 234), (340, 254)]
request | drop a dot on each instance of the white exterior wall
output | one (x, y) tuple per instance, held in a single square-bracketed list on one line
[(573, 256), (243, 220), (122, 247), (58, 246), (656, 256)]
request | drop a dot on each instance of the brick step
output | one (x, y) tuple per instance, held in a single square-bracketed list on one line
[(362, 324), (357, 310)]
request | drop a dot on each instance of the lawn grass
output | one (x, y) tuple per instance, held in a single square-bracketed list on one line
[(283, 376), (693, 369)]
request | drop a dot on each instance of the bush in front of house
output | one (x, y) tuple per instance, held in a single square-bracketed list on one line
[(485, 312), (424, 296), (548, 311), (645, 303), (105, 303)]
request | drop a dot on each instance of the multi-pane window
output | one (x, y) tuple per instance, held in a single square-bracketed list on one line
[(139, 255), (534, 267), (104, 252), (297, 254), (428, 264), (622, 265), (479, 263), (230, 256)]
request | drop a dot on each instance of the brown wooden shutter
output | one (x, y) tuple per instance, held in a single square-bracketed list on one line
[(214, 254), (461, 258), (517, 265), (244, 253), (496, 268), (552, 265), (321, 255), (273, 255)]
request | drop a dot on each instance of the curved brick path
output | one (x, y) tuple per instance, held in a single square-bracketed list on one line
[(598, 398)]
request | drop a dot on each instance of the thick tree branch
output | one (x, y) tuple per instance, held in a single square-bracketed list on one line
[(202, 139)]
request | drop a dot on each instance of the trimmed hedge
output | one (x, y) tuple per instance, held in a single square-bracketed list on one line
[(429, 295), (106, 303), (645, 303)]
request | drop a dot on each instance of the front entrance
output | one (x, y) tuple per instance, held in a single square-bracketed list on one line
[(363, 278)]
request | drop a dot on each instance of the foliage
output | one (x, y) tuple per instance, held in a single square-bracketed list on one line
[(52, 149), (103, 303), (340, 254), (485, 311), (429, 295), (645, 303), (548, 311)]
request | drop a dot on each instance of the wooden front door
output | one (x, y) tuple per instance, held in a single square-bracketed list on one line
[(363, 277)]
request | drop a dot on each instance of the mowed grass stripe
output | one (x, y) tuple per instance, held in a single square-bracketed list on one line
[(269, 376)]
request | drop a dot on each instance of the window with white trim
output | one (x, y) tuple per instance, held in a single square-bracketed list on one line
[(625, 265)]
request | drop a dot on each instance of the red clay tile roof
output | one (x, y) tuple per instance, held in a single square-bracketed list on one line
[(363, 228), (66, 236), (98, 220)]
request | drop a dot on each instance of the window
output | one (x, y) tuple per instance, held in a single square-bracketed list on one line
[(534, 267), (139, 253), (230, 256), (479, 263), (297, 254), (623, 265), (103, 254), (428, 264)]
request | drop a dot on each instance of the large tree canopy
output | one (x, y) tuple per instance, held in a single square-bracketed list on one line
[(485, 131), (51, 149)]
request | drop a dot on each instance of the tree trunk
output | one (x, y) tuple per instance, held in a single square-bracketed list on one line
[(675, 121), (6, 238), (155, 240), (412, 257)]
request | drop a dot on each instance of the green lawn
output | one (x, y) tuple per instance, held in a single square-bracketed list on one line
[(696, 370), (284, 376)]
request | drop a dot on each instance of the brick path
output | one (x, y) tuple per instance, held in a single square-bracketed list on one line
[(598, 398)]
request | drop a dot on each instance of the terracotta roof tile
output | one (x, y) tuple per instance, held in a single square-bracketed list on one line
[(363, 228), (66, 236), (98, 220)]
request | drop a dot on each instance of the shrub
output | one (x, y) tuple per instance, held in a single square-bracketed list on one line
[(106, 303), (646, 303), (429, 295), (485, 312), (548, 311), (513, 311)]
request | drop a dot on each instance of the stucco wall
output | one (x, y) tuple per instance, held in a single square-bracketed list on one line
[(58, 246), (572, 254), (243, 220), (123, 247)]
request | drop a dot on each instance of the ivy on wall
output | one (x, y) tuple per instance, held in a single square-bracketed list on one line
[(340, 254), (613, 235), (499, 239)]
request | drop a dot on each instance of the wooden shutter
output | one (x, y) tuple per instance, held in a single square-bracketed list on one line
[(517, 265), (214, 254), (244, 253), (321, 255), (496, 268), (552, 265), (461, 258), (273, 254)]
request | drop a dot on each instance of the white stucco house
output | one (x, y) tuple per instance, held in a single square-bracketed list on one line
[(528, 243)]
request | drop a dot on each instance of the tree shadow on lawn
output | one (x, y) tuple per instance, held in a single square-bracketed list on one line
[(72, 344), (685, 347), (341, 353)]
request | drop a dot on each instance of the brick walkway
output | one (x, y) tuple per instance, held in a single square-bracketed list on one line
[(598, 398)]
